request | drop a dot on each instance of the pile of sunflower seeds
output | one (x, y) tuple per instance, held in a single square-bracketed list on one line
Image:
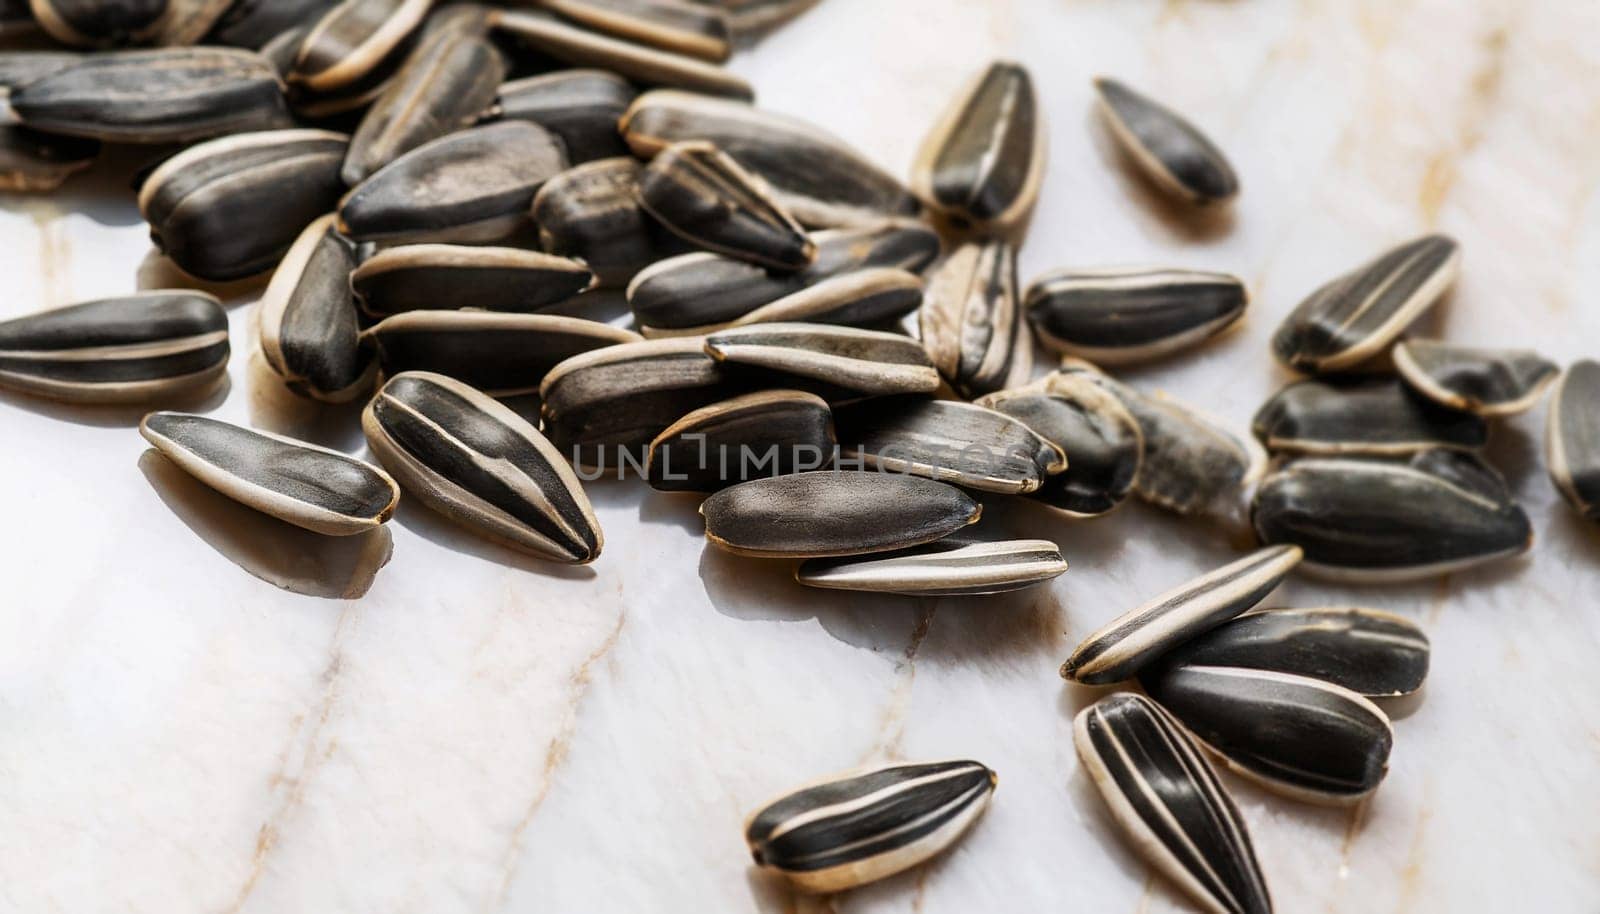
[(442, 191)]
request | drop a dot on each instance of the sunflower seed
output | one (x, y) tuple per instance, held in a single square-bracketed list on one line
[(353, 39), (309, 335), (683, 28), (451, 78), (582, 107), (1369, 652), (1130, 642), (1487, 382), (840, 361), (1172, 152), (1366, 520), (970, 321), (1099, 435), (812, 173), (172, 95), (276, 183), (867, 825), (701, 290), (828, 513), (138, 348), (475, 461), (100, 23), (751, 19), (474, 185), (313, 487), (1167, 799), (1463, 469), (33, 162), (1572, 438), (1359, 314), (430, 277), (767, 433), (1301, 737), (949, 567), (1376, 416), (984, 161), (643, 65), (874, 297), (704, 197), (1126, 315), (254, 23), (500, 354), (342, 105), (949, 441), (592, 212)]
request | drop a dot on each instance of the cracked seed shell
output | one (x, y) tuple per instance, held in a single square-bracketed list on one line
[(444, 277), (354, 39), (954, 442), (953, 566), (581, 107), (1172, 152), (309, 332), (1493, 383), (683, 28), (766, 433), (1128, 315), (1101, 438), (704, 197), (502, 355), (1373, 416), (971, 321), (592, 212), (984, 160), (840, 362), (1572, 438)]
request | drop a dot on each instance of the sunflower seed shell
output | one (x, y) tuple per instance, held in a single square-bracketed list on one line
[(1492, 383), (949, 567), (952, 442), (842, 362), (971, 323), (1099, 435), (1572, 438), (309, 332), (592, 212), (1375, 416), (683, 28), (99, 23), (354, 39), (500, 354), (704, 197), (1172, 152), (441, 277), (984, 161), (767, 433), (1128, 315), (869, 298), (581, 107), (254, 23)]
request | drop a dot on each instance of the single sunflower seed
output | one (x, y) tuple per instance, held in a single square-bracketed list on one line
[(1487, 382), (581, 107), (347, 102), (704, 197), (1357, 315), (1127, 315), (1129, 643), (766, 433), (592, 212), (864, 826), (952, 566), (100, 23), (1375, 416), (841, 362), (275, 183), (133, 349), (1101, 438), (1301, 737), (683, 28), (828, 513), (971, 321), (947, 440), (1170, 804), (309, 332), (433, 277), (475, 461), (500, 354), (873, 297), (984, 160), (1172, 152), (1572, 438), (254, 23), (312, 487), (353, 39)]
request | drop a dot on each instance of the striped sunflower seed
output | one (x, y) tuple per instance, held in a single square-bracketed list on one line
[(500, 354), (1133, 640), (641, 64), (1488, 382), (1358, 315), (971, 323), (475, 461), (135, 349), (952, 566), (312, 487), (827, 513), (950, 441), (982, 164), (815, 175), (702, 290), (309, 333), (1572, 438), (34, 162), (841, 362), (874, 297), (1301, 737), (1369, 520), (189, 21), (430, 277), (581, 107), (1376, 416), (254, 23), (354, 39), (474, 185), (100, 23), (1172, 152), (1168, 801), (704, 197), (592, 212), (1099, 435), (170, 95), (767, 433), (1127, 315), (683, 28), (1370, 652), (276, 182), (345, 104), (867, 825)]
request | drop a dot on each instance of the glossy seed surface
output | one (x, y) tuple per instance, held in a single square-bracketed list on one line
[(313, 487), (705, 197), (436, 277), (971, 321), (1101, 438), (1127, 315), (671, 25), (864, 826), (1376, 416), (1572, 438), (1169, 803), (1487, 382), (952, 566), (947, 440), (353, 39), (767, 433), (582, 107), (842, 361), (592, 212), (499, 354), (309, 332), (983, 162), (1172, 152)]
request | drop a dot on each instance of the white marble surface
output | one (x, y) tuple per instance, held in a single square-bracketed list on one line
[(482, 733)]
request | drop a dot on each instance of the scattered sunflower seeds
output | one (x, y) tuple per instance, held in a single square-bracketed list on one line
[(704, 197), (502, 355), (952, 566), (971, 322), (1488, 382), (868, 825), (475, 461), (309, 335), (984, 161), (684, 28), (1358, 315), (1572, 438), (1091, 426), (353, 40), (313, 487), (432, 277), (1171, 151), (138, 348), (947, 440), (1127, 315), (581, 107), (841, 362), (829, 513), (100, 23), (1374, 416), (1130, 642), (767, 433), (1166, 797), (592, 212)]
